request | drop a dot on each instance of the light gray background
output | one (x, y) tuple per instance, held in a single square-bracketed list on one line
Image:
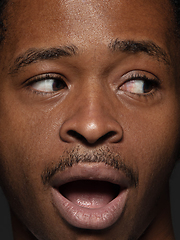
[(5, 225)]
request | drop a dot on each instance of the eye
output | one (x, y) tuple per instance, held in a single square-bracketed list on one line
[(139, 85), (48, 83)]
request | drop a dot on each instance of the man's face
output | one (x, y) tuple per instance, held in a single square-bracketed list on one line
[(89, 115)]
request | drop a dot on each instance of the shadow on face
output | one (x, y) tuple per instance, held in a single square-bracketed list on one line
[(89, 117)]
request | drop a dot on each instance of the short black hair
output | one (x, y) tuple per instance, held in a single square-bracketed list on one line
[(175, 3), (2, 27)]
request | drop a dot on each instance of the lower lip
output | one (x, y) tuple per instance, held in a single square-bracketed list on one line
[(89, 218)]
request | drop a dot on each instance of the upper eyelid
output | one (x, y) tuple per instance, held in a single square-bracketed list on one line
[(141, 75), (137, 75), (142, 78), (134, 75), (44, 76)]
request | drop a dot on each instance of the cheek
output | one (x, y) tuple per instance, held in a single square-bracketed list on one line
[(23, 156), (28, 143), (151, 150), (156, 150), (25, 146), (151, 144)]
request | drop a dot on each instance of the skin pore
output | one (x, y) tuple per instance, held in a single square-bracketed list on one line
[(89, 86)]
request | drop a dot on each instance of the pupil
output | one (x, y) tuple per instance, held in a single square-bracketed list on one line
[(57, 85), (147, 87)]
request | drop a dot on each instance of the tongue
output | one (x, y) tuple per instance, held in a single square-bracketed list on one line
[(89, 193)]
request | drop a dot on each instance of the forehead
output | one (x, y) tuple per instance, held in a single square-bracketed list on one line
[(86, 23)]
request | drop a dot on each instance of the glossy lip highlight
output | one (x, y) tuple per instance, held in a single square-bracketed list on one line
[(90, 218)]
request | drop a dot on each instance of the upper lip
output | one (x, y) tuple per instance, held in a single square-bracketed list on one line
[(90, 171)]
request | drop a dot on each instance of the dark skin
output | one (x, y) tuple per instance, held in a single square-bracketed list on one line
[(112, 86)]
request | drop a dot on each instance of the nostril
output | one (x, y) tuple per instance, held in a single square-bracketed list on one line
[(108, 136), (91, 131), (76, 135)]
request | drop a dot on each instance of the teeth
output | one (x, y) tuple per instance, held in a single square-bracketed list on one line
[(89, 193)]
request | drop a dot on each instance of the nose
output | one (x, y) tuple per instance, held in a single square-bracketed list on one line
[(91, 122)]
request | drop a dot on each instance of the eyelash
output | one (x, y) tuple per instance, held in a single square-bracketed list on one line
[(46, 76), (138, 76), (154, 81)]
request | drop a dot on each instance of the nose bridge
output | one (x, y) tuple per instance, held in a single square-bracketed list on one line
[(91, 118), (94, 105)]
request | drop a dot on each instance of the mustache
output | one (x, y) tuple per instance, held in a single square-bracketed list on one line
[(78, 155)]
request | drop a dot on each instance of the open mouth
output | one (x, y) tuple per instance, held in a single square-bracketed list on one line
[(90, 193), (90, 196)]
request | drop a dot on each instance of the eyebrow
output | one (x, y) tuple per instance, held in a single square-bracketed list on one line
[(147, 47), (34, 55)]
